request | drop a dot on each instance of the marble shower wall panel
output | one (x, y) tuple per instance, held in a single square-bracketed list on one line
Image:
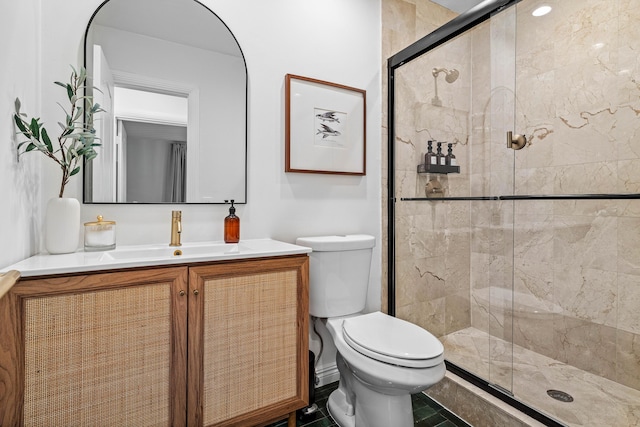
[(403, 22), (432, 239), (575, 88), (433, 266), (481, 125), (450, 122), (578, 101), (501, 101)]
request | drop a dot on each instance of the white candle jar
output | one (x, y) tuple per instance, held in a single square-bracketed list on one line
[(99, 235)]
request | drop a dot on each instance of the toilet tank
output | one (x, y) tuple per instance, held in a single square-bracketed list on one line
[(338, 273)]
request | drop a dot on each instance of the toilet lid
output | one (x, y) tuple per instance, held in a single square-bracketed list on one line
[(392, 340)]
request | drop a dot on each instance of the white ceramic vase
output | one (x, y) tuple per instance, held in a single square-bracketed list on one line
[(62, 225)]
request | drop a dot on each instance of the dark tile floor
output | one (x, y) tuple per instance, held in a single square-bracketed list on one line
[(426, 412)]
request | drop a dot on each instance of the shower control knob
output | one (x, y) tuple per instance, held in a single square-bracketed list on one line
[(516, 142)]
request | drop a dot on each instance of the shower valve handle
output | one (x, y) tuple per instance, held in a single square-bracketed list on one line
[(516, 142)]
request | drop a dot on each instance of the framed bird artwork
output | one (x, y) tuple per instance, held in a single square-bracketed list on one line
[(324, 127)]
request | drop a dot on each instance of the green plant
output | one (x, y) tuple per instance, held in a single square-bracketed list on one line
[(78, 136)]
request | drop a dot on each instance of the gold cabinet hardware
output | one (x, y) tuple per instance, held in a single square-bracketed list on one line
[(516, 142), (195, 292), (181, 293)]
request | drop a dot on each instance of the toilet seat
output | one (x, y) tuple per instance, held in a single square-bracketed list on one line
[(392, 340)]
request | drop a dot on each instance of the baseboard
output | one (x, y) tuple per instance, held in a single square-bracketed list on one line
[(327, 375)]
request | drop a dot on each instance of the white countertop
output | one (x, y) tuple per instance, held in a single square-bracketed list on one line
[(152, 255)]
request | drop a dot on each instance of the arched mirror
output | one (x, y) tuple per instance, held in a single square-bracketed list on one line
[(173, 80)]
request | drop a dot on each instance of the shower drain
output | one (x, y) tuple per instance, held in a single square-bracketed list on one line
[(560, 395)]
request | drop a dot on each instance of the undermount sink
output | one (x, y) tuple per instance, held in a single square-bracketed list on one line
[(171, 251)]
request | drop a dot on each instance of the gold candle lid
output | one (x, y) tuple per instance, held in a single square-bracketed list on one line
[(100, 222)]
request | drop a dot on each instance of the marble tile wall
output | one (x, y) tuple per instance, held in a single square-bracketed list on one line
[(576, 96), (579, 100), (403, 22), (432, 239)]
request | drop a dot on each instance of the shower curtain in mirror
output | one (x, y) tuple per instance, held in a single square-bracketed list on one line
[(177, 176)]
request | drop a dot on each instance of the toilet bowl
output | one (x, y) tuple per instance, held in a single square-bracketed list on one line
[(381, 359)]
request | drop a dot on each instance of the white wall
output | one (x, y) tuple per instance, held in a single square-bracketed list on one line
[(333, 40), (20, 219)]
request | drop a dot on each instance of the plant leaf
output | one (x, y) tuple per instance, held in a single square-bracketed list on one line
[(21, 126), (69, 91), (22, 143), (30, 147), (47, 141), (63, 109), (17, 105), (75, 171), (77, 115), (35, 128)]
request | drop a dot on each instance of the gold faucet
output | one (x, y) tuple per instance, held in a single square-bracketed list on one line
[(176, 228)]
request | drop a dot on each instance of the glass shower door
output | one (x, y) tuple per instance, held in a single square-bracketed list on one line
[(453, 235), (491, 222)]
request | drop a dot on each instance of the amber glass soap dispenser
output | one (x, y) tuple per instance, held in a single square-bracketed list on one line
[(231, 225)]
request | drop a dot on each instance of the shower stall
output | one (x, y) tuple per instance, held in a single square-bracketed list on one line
[(524, 259)]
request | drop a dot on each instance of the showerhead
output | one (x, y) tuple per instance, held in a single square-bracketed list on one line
[(450, 75)]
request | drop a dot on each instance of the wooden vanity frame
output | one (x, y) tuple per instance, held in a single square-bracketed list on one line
[(187, 284)]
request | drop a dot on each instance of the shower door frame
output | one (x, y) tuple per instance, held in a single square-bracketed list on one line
[(448, 31)]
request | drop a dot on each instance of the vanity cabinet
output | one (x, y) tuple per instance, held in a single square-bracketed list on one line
[(218, 344)]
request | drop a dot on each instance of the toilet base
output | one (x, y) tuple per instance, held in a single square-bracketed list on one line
[(396, 412), (370, 409), (336, 406)]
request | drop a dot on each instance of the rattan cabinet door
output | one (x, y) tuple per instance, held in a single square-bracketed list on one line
[(103, 349), (248, 359)]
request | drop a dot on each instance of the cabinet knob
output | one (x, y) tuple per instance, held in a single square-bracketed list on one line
[(181, 293), (195, 292)]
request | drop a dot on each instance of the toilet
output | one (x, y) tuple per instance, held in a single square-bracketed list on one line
[(382, 360)]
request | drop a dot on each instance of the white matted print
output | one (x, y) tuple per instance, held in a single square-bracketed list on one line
[(325, 127), (330, 128)]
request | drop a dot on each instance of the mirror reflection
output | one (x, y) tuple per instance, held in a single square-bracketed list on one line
[(173, 80)]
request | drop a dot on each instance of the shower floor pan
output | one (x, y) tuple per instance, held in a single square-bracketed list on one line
[(596, 401)]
